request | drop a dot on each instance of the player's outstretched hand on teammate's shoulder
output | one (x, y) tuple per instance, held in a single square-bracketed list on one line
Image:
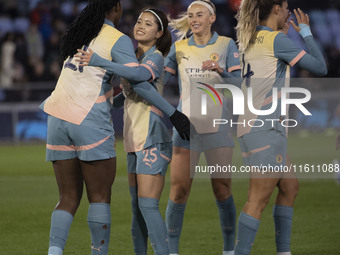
[(83, 57), (182, 124), (301, 17)]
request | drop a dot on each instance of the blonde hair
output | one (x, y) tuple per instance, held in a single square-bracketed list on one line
[(249, 16), (181, 23)]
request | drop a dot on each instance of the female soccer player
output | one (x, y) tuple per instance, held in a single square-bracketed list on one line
[(210, 57), (266, 54), (80, 139), (146, 138)]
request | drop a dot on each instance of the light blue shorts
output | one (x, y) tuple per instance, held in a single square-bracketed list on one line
[(152, 160), (264, 148), (66, 141), (204, 142)]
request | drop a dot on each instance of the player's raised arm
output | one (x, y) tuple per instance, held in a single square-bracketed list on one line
[(313, 62)]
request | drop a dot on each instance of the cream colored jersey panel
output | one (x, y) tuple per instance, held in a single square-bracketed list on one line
[(260, 60), (189, 59), (78, 88)]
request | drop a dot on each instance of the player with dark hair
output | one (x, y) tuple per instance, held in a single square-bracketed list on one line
[(146, 138), (80, 138)]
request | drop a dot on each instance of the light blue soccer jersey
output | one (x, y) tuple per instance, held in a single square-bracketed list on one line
[(186, 58), (266, 65), (143, 125), (83, 95)]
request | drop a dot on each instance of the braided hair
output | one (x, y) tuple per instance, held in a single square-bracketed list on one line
[(86, 26)]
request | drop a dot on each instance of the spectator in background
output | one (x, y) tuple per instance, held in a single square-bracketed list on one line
[(333, 59), (35, 43), (7, 60), (21, 57)]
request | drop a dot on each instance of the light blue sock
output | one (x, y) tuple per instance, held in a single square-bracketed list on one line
[(227, 213), (99, 221), (54, 250), (247, 228), (283, 216), (60, 226), (139, 230), (174, 223), (155, 223)]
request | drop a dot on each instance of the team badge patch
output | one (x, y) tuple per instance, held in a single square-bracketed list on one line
[(214, 57), (279, 158)]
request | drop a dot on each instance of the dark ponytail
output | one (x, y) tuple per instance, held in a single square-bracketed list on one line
[(163, 44), (85, 27)]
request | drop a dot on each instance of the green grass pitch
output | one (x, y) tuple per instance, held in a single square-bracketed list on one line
[(28, 194)]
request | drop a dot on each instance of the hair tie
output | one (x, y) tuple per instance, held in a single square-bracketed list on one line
[(204, 4), (159, 19)]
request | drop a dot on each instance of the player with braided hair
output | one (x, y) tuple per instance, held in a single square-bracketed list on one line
[(80, 135)]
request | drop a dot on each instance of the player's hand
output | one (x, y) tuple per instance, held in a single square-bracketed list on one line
[(212, 66), (84, 57), (182, 124), (301, 17), (287, 24), (337, 142)]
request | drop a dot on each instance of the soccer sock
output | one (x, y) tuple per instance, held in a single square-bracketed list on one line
[(139, 230), (155, 223), (227, 213), (283, 216), (228, 253), (99, 222), (247, 228), (60, 225), (174, 222)]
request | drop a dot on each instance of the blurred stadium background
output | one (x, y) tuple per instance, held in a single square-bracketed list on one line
[(30, 31)]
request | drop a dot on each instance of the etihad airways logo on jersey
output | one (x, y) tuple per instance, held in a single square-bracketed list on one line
[(197, 73)]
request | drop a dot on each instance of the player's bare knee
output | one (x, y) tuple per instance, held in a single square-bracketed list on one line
[(221, 183), (69, 203), (179, 194), (221, 192), (289, 189), (258, 204), (100, 197)]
